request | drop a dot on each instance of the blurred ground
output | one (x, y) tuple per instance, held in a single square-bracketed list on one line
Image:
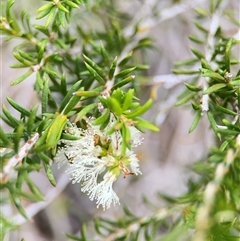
[(165, 154)]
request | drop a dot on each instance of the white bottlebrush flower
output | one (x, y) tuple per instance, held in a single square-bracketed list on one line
[(95, 160), (103, 191)]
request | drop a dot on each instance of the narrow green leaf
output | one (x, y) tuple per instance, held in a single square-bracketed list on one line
[(186, 62), (193, 87), (201, 12), (26, 56), (185, 99), (55, 130), (140, 110), (22, 77), (105, 123), (196, 39), (196, 120), (118, 94), (17, 137), (197, 53), (49, 173), (51, 72), (62, 8), (44, 7), (11, 17), (69, 95), (31, 120), (63, 84), (61, 19), (22, 60), (228, 54), (42, 29), (45, 94), (73, 237), (114, 106), (84, 232), (5, 119), (185, 71), (206, 65), (18, 65), (112, 68), (126, 135), (128, 99), (87, 93), (115, 127), (230, 125), (227, 132), (50, 16), (214, 88), (125, 60), (17, 202), (43, 130), (123, 82), (41, 50), (34, 189), (146, 124), (101, 119), (14, 122), (94, 66), (17, 107), (125, 72), (224, 110), (95, 74), (71, 4), (71, 104), (104, 54), (235, 82), (213, 124), (212, 75), (85, 110), (4, 138), (196, 106), (200, 27), (234, 61), (44, 12), (39, 80), (8, 9)]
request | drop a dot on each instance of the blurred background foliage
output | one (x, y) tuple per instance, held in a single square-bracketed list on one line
[(189, 189)]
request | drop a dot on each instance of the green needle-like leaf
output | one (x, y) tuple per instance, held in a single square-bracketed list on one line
[(69, 95), (19, 108), (114, 106), (228, 54), (85, 110), (140, 110), (128, 99), (50, 17), (95, 74), (112, 68), (101, 119), (4, 137), (48, 169), (195, 121), (45, 95), (22, 77), (214, 88)]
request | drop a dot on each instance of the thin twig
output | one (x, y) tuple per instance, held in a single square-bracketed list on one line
[(151, 22), (133, 227), (16, 159), (203, 219), (213, 27)]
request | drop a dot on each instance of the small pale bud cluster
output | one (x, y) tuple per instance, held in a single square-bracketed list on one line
[(95, 160)]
